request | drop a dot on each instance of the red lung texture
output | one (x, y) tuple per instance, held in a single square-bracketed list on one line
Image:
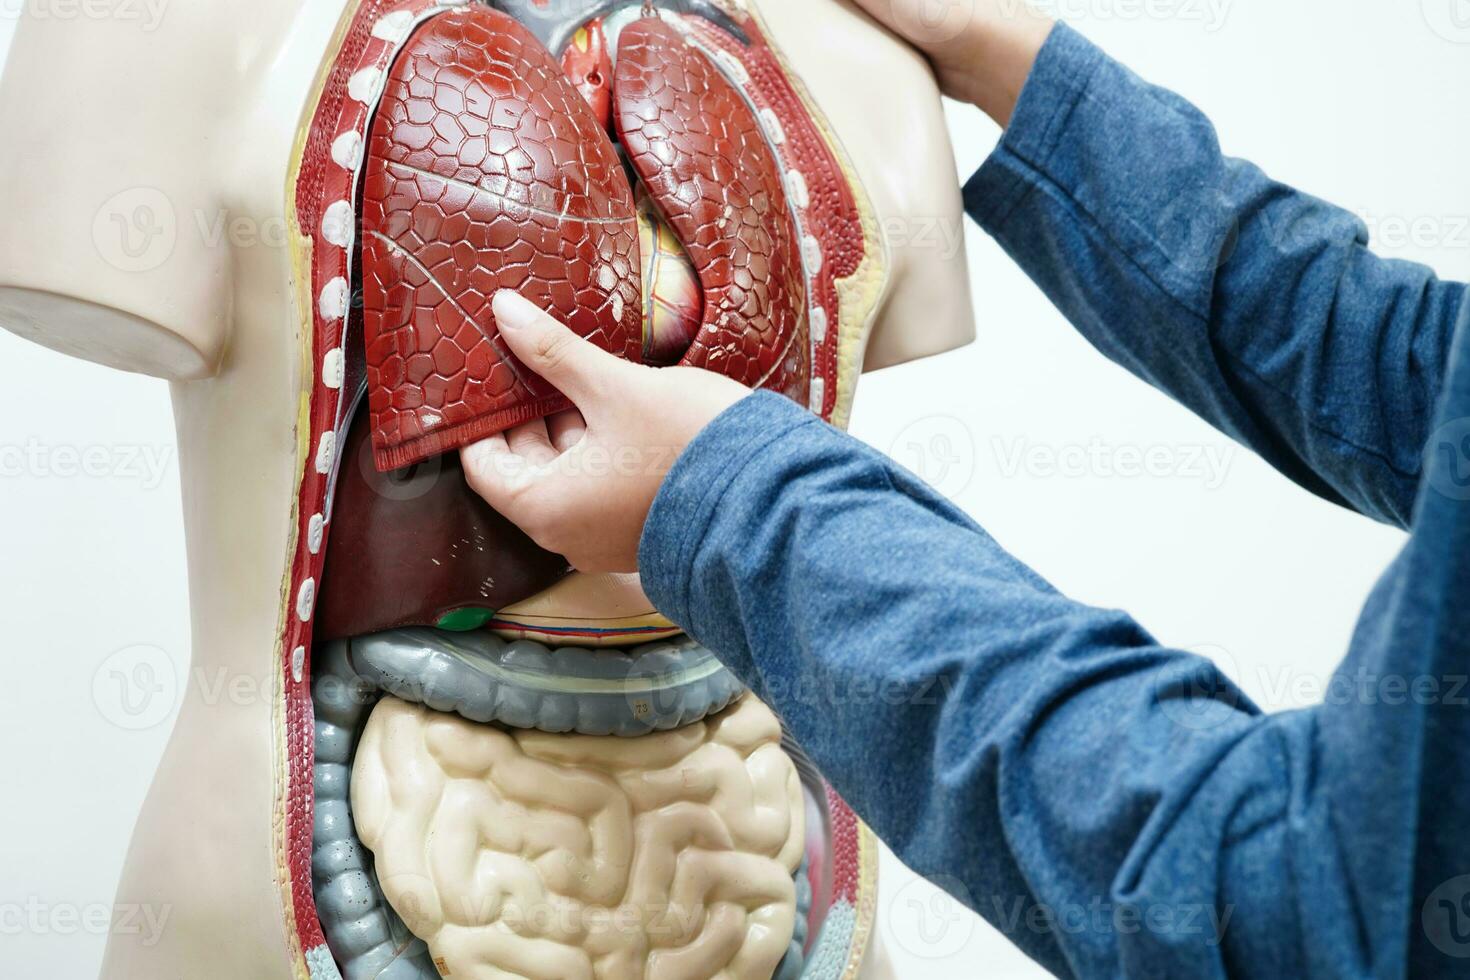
[(486, 170), (701, 153)]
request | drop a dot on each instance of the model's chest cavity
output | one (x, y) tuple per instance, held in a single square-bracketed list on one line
[(642, 184), (606, 190)]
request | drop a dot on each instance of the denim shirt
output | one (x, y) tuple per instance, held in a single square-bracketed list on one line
[(1115, 806)]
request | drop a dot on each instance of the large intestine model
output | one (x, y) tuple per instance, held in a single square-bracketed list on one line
[(499, 790)]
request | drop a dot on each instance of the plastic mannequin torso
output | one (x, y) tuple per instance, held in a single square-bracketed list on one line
[(145, 192)]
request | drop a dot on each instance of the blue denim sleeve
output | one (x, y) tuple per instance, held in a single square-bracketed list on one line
[(1113, 806), (1257, 306)]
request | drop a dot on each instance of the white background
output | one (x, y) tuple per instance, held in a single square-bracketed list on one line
[(1363, 104)]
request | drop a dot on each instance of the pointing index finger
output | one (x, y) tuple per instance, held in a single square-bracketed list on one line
[(575, 366)]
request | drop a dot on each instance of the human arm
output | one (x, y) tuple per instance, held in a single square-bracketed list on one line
[(1041, 759), (1114, 806), (1259, 307), (1037, 757), (981, 50)]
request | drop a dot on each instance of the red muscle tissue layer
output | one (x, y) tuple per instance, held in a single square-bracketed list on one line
[(486, 170), (702, 155)]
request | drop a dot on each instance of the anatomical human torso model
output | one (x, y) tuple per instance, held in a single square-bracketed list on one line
[(472, 761)]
